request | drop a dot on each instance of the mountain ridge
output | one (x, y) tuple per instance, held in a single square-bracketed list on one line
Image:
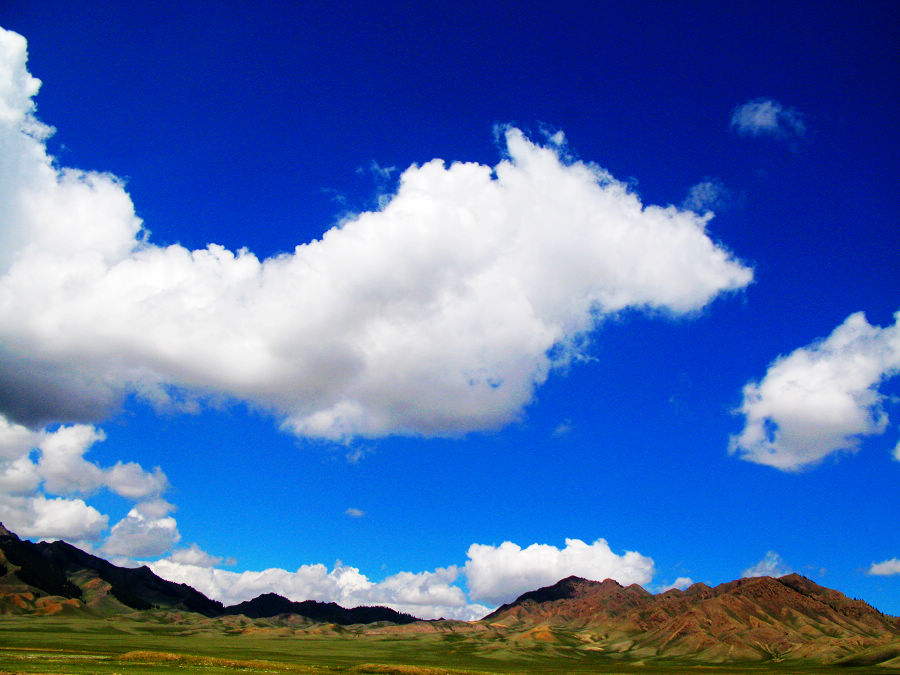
[(82, 580), (752, 620)]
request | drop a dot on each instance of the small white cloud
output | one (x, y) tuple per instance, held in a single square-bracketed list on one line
[(766, 117), (16, 440), (194, 555), (58, 518), (770, 566), (707, 195), (680, 583), (354, 455), (885, 568), (499, 574), (381, 173), (820, 399), (563, 428), (62, 465), (355, 513), (19, 476), (153, 509), (897, 452), (144, 532), (131, 481)]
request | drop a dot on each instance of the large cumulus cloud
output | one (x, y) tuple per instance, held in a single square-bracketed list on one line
[(436, 315)]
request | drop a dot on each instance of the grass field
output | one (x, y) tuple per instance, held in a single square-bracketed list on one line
[(139, 645)]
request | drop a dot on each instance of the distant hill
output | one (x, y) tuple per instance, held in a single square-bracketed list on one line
[(270, 604), (48, 578), (749, 619)]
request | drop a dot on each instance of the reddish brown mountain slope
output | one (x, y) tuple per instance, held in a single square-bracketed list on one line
[(755, 618)]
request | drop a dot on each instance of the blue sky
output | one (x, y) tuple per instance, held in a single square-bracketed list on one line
[(492, 361)]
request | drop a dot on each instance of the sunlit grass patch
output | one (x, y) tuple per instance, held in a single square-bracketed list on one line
[(255, 665)]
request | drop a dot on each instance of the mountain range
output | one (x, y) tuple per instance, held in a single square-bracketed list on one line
[(48, 578), (789, 619), (749, 619)]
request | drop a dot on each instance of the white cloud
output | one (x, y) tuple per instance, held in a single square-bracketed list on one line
[(820, 399), (19, 476), (144, 532), (131, 481), (493, 574), (36, 464), (680, 583), (436, 315), (424, 594), (897, 452), (499, 574), (707, 195), (355, 513), (58, 518), (62, 465), (15, 440), (355, 455), (885, 568), (194, 555), (770, 566), (765, 117), (563, 428)]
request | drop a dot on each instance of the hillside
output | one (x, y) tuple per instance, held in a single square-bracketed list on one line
[(748, 619), (49, 578)]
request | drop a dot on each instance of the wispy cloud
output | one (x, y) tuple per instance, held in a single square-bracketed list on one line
[(766, 117), (680, 583), (710, 194), (563, 428), (770, 566), (355, 513)]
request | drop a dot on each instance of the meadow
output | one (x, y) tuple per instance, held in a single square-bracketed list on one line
[(127, 645)]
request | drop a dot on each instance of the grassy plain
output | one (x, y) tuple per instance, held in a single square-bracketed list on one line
[(127, 645)]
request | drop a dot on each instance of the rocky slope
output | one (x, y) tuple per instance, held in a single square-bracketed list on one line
[(758, 618)]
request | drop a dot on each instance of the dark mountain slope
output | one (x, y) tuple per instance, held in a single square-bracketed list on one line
[(46, 577), (52, 567), (270, 604)]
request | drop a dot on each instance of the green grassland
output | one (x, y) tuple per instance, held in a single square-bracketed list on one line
[(162, 644)]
